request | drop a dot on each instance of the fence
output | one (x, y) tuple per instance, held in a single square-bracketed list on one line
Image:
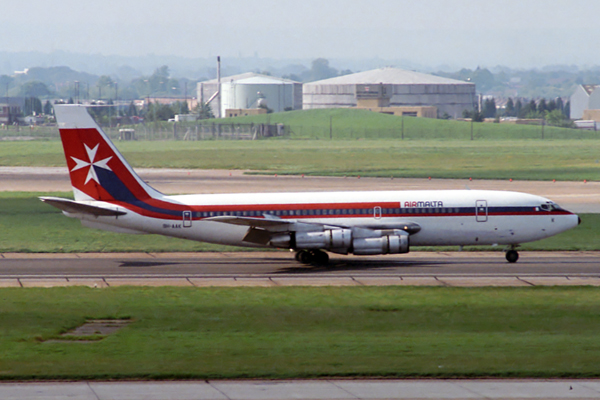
[(160, 131), (411, 129)]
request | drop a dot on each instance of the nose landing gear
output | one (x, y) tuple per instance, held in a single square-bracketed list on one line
[(512, 256)]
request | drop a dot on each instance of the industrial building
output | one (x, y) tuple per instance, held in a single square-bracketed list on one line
[(394, 91), (585, 97), (10, 109), (250, 91)]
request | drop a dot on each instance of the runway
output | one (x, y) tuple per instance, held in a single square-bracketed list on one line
[(272, 269)]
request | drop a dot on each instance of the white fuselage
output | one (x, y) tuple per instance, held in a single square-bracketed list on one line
[(455, 217)]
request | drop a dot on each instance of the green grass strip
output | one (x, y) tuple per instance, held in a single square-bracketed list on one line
[(180, 333), (524, 159)]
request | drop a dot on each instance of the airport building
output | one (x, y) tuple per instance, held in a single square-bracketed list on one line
[(10, 109), (394, 91), (585, 98), (250, 91)]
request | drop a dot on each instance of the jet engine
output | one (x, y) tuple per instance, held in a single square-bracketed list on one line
[(343, 241)]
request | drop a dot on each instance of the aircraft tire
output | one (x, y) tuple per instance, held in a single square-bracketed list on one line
[(320, 257), (305, 257), (512, 256)]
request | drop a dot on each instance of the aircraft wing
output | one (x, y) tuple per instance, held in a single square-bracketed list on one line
[(278, 224), (260, 230), (72, 206), (265, 223)]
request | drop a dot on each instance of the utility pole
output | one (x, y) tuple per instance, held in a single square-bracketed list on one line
[(76, 92), (543, 128), (7, 108), (472, 125), (402, 126)]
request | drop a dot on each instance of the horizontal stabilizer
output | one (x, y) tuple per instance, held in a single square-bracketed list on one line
[(72, 206)]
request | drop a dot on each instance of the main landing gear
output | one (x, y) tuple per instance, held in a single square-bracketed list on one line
[(512, 256), (318, 257)]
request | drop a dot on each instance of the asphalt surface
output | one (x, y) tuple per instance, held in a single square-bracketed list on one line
[(280, 269)]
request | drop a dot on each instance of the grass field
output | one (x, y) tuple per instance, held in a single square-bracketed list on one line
[(362, 124), (303, 332), (463, 159), (364, 143), (345, 124), (28, 225)]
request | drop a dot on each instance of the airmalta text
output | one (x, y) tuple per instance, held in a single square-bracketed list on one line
[(423, 204)]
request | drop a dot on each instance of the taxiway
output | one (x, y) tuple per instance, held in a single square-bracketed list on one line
[(280, 269)]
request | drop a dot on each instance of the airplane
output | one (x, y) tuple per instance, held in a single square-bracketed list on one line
[(109, 195)]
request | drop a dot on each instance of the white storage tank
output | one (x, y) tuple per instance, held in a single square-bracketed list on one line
[(246, 91)]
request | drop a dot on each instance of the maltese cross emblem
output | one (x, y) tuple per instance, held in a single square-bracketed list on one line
[(91, 164)]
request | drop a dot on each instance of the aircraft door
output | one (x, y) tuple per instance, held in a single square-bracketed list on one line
[(481, 211), (377, 212), (187, 219)]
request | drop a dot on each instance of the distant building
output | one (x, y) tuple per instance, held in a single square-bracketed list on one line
[(10, 109), (192, 102), (248, 91), (393, 88), (585, 97)]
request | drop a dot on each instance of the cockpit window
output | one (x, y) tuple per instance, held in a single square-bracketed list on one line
[(550, 207)]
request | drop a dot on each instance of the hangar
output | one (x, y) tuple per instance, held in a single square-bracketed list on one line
[(585, 97), (248, 91), (392, 87)]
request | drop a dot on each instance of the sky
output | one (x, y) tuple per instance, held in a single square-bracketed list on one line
[(458, 33)]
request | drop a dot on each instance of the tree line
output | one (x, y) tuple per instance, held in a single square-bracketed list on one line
[(554, 112)]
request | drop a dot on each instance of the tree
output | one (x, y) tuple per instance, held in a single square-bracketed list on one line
[(320, 69), (181, 107), (509, 111), (489, 108), (557, 118), (542, 107), (483, 79), (518, 108), (131, 110), (204, 111), (32, 106), (5, 82), (34, 89), (157, 81), (474, 115), (103, 81), (48, 108), (559, 104), (567, 110), (159, 112), (532, 106)]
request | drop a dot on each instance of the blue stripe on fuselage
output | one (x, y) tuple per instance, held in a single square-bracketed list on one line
[(120, 192)]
